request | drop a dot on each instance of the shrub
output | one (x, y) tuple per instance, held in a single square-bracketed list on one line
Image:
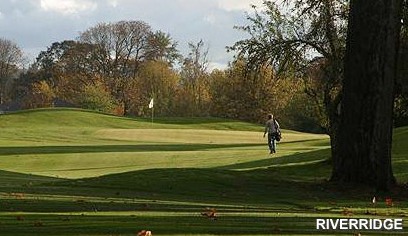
[(96, 97)]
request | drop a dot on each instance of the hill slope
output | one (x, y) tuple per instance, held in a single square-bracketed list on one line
[(74, 172), (75, 143)]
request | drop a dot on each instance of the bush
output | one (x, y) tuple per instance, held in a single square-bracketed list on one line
[(96, 97)]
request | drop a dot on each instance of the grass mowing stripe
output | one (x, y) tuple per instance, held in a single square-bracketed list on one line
[(162, 176)]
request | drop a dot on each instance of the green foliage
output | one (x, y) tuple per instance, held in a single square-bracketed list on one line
[(96, 97), (161, 47), (300, 114)]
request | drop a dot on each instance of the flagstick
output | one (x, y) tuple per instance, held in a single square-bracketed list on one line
[(151, 106), (152, 113)]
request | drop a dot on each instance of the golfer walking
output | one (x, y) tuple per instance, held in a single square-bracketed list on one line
[(272, 129)]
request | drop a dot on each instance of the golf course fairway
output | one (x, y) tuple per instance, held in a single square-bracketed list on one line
[(76, 172)]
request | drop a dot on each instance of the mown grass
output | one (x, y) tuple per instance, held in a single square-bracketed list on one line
[(73, 172)]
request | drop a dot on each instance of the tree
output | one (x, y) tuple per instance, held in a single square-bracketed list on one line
[(239, 94), (155, 80), (107, 58), (401, 93), (161, 47), (10, 57), (194, 80), (365, 138), (121, 48), (302, 36), (40, 94), (96, 97), (66, 58), (66, 67)]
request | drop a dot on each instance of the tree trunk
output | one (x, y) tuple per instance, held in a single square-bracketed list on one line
[(365, 131)]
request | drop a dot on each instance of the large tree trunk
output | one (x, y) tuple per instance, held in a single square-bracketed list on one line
[(365, 131)]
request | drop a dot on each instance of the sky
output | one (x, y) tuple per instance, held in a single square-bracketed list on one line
[(35, 24)]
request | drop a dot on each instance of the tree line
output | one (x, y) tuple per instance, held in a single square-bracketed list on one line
[(289, 65), (118, 67)]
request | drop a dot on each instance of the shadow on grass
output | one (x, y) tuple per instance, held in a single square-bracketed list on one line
[(24, 150), (13, 179), (212, 186), (161, 225), (303, 158), (278, 184), (169, 201), (207, 186), (28, 150), (291, 182)]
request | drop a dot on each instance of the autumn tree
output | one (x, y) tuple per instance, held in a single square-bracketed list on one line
[(240, 94), (299, 36), (66, 57), (194, 80), (66, 67), (161, 47), (106, 58), (121, 49), (10, 58), (368, 93), (39, 94), (155, 80)]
